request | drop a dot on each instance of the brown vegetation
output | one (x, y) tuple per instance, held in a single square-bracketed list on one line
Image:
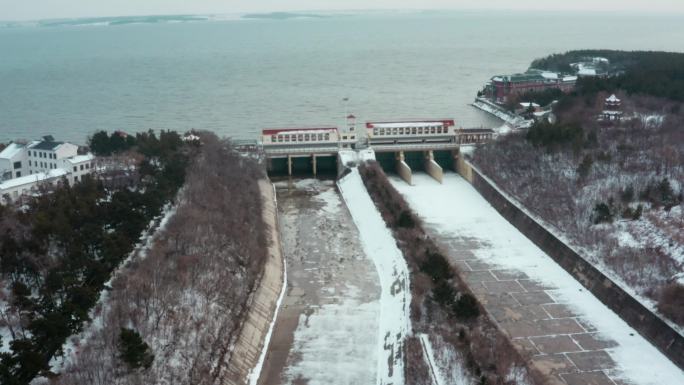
[(442, 304), (187, 294), (615, 192)]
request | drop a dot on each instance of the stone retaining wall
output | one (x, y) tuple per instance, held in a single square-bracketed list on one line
[(639, 317)]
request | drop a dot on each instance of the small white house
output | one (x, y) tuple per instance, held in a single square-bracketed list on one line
[(13, 161)]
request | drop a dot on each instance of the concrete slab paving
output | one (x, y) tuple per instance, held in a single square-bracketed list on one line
[(558, 341)]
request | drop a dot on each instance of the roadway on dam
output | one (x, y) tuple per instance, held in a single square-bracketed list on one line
[(326, 331), (562, 329)]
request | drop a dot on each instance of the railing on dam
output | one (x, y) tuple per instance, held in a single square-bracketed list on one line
[(300, 150), (413, 147)]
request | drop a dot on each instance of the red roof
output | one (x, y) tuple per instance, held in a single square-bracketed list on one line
[(446, 122), (273, 131)]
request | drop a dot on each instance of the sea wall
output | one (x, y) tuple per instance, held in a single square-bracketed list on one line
[(639, 317), (246, 359)]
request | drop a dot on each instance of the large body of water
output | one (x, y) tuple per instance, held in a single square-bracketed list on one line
[(236, 77)]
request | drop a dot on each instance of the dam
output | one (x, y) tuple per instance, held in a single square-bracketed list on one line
[(347, 298)]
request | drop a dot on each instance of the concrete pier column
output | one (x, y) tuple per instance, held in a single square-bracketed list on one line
[(456, 156), (313, 163), (289, 165), (432, 168), (403, 169)]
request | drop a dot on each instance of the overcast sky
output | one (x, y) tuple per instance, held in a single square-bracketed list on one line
[(45, 9)]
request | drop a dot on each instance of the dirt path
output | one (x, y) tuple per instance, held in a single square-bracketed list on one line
[(326, 329)]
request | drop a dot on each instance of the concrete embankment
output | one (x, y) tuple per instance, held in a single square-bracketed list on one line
[(245, 360), (643, 320)]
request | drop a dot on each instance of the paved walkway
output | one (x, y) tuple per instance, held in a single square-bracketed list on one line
[(566, 333)]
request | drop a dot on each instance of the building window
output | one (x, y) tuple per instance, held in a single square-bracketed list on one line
[(375, 131), (81, 167), (300, 137), (327, 136), (306, 137), (320, 137), (75, 169), (18, 174), (17, 165), (273, 138), (75, 178)]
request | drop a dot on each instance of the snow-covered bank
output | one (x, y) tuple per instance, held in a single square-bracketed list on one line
[(379, 244), (508, 117), (455, 210)]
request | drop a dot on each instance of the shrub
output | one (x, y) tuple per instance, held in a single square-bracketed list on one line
[(436, 266), (444, 294), (602, 214), (405, 220), (466, 306)]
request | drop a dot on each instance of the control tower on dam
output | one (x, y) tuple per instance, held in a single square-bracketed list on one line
[(430, 145)]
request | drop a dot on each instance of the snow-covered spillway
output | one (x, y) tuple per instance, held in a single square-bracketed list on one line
[(379, 244), (326, 328), (568, 334)]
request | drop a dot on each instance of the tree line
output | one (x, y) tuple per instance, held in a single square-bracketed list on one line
[(58, 251)]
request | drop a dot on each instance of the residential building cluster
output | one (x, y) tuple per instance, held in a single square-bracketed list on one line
[(25, 167), (501, 88)]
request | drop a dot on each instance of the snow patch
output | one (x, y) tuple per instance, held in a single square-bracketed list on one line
[(379, 244)]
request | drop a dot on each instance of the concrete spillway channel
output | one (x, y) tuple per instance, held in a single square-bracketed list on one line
[(566, 332), (326, 331)]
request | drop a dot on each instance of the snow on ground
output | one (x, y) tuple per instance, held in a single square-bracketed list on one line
[(380, 245), (356, 156), (326, 331), (456, 209), (446, 364), (328, 343), (508, 117)]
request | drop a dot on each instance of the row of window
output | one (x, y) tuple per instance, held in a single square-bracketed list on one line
[(42, 154), (43, 164), (409, 130), (280, 138), (87, 166)]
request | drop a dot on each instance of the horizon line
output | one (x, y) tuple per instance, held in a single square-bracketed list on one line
[(622, 12)]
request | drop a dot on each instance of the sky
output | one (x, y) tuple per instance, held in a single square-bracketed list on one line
[(51, 9)]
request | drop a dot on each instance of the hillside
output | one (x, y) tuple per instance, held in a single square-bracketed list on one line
[(659, 74), (615, 190)]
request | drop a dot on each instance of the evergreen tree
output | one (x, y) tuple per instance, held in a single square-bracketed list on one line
[(133, 350)]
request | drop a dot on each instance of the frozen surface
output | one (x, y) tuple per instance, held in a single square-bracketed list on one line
[(380, 245), (455, 210)]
